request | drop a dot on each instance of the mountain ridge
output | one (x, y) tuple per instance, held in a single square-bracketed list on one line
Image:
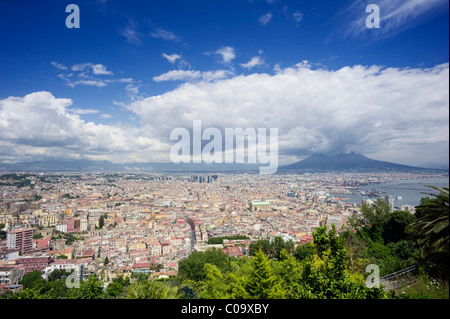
[(350, 161), (315, 162)]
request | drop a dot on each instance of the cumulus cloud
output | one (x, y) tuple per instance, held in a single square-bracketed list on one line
[(394, 114), (51, 128), (399, 113), (227, 54)]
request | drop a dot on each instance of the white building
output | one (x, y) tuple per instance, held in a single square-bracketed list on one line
[(62, 228), (68, 265), (83, 224)]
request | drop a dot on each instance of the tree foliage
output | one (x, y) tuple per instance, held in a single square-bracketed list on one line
[(431, 227), (219, 240), (271, 248), (90, 289), (148, 289), (263, 283), (193, 266)]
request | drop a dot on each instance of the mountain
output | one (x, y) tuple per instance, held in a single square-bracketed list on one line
[(317, 162), (345, 162), (83, 165)]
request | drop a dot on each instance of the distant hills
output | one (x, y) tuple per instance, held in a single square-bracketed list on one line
[(84, 165), (314, 163), (346, 162)]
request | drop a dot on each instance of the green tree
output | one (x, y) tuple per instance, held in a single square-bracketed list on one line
[(403, 249), (394, 229), (431, 226), (215, 285), (149, 289), (193, 267), (271, 248), (263, 283), (262, 244), (34, 279), (2, 232), (58, 274), (431, 232), (302, 251), (326, 275), (101, 221), (290, 269), (114, 289), (59, 290), (90, 289), (37, 236), (27, 293), (374, 218)]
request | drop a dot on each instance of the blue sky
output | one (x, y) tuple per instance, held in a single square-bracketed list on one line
[(114, 88)]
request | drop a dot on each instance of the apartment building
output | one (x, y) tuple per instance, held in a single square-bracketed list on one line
[(20, 239), (10, 275), (34, 262)]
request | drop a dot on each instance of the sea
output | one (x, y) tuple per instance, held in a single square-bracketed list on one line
[(404, 192)]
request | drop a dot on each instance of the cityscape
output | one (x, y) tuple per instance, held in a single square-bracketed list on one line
[(223, 158), (117, 224)]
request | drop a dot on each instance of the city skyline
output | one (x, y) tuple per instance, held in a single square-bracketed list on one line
[(116, 87)]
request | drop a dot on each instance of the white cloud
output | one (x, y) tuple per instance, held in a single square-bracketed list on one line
[(164, 34), (100, 69), (189, 75), (395, 16), (227, 54), (130, 33), (90, 74), (52, 129), (171, 58), (59, 66), (81, 66), (265, 19), (120, 80), (132, 89), (298, 16), (256, 60), (400, 113), (83, 111), (88, 82), (394, 114), (97, 69)]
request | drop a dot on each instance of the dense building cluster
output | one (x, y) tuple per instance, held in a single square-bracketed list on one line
[(112, 224)]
